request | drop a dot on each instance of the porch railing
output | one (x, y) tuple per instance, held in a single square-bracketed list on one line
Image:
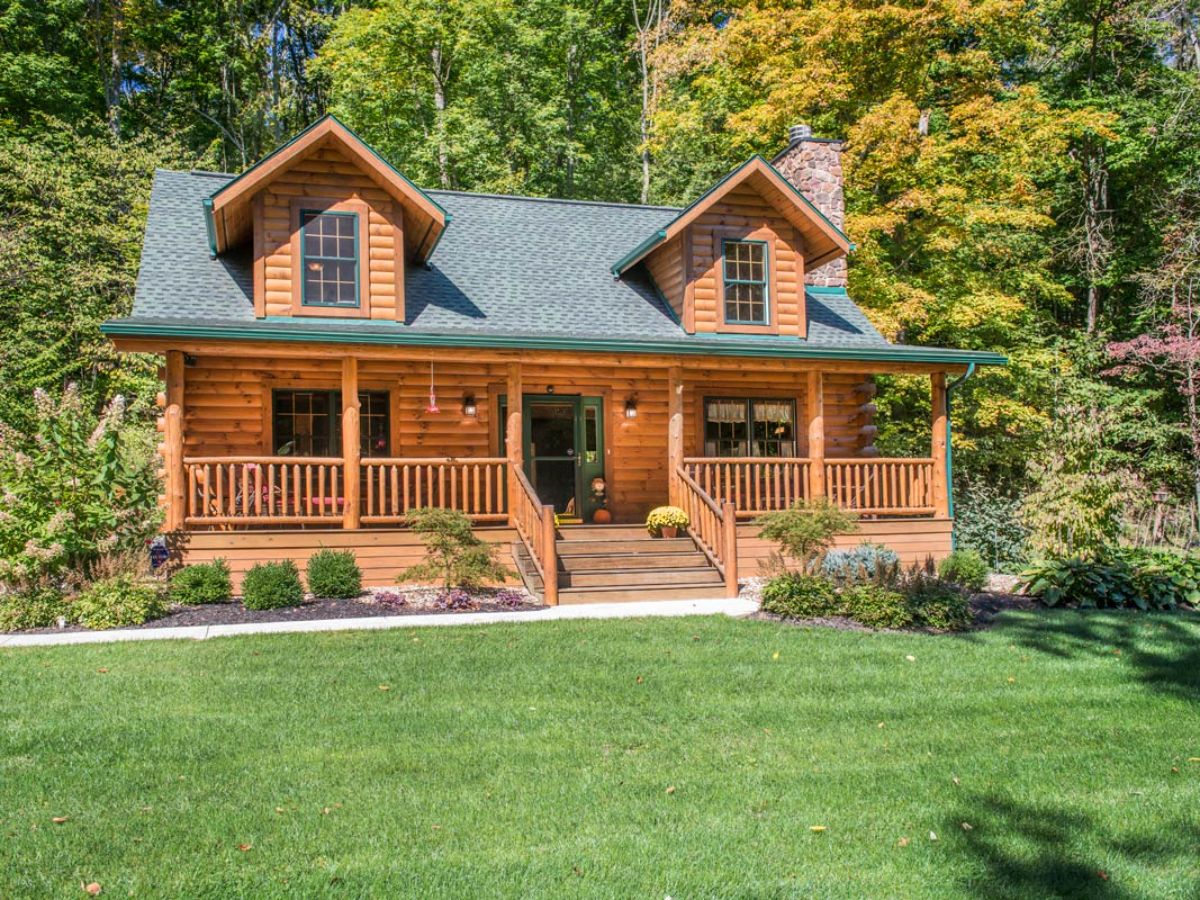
[(869, 486), (472, 486), (262, 490), (535, 525), (753, 484), (896, 486), (713, 526)]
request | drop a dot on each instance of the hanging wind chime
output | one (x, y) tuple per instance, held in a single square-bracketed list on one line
[(432, 407)]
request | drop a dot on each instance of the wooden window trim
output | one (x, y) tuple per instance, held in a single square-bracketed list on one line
[(749, 400), (297, 207), (762, 235), (719, 391)]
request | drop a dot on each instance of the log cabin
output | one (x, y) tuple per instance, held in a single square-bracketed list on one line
[(342, 347)]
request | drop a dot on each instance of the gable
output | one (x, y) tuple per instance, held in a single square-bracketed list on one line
[(229, 210)]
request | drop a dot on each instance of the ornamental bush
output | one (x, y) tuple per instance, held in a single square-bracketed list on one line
[(202, 583), (876, 606), (334, 573), (796, 595), (866, 562), (804, 532), (965, 568), (272, 585), (33, 607), (118, 602), (455, 555), (937, 604), (1114, 578), (74, 488)]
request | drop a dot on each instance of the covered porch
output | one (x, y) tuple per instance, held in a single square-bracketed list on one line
[(312, 440)]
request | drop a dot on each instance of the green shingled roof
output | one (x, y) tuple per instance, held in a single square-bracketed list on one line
[(510, 271)]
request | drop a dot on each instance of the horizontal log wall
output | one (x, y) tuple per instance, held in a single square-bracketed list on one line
[(913, 539), (382, 553), (327, 174)]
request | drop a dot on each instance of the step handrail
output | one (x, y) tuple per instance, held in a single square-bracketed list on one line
[(713, 526), (534, 521)]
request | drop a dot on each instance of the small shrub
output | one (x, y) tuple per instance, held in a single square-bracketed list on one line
[(1086, 583), (334, 573), (938, 604), (666, 517), (202, 583), (805, 531), (1164, 577), (866, 562), (272, 585), (118, 602), (35, 607), (876, 606), (796, 595), (965, 568), (457, 557)]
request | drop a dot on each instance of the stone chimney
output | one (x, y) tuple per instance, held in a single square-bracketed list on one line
[(814, 166)]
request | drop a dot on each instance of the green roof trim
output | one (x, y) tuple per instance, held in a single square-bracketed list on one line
[(645, 246), (208, 203), (735, 345)]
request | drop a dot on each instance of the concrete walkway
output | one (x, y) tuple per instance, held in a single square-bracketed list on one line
[(554, 613)]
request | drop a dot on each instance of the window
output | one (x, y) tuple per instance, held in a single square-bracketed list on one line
[(309, 423), (745, 274), (749, 427), (329, 242)]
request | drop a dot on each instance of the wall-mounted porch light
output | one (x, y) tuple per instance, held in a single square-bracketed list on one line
[(631, 408), (468, 405)]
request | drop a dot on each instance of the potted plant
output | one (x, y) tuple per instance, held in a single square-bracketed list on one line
[(665, 521), (600, 514)]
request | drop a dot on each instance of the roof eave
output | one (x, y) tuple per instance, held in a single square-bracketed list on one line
[(255, 332)]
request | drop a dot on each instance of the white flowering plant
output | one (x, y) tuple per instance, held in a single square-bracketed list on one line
[(75, 487)]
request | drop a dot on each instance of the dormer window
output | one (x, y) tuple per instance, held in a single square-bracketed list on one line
[(745, 275), (330, 258)]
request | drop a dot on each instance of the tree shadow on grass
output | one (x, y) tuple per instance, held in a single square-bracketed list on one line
[(1034, 851), (1163, 649)]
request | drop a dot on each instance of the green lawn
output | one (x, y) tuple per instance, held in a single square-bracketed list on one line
[(642, 758)]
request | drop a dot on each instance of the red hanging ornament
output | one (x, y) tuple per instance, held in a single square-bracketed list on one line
[(432, 407)]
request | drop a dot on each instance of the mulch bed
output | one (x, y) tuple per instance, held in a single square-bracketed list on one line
[(413, 602)]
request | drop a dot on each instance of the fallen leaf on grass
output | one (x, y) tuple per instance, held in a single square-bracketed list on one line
[(817, 829), (103, 670), (639, 680), (880, 724), (279, 809), (1194, 759), (955, 779), (903, 842), (92, 888), (245, 847), (437, 827), (775, 655), (671, 789), (1011, 680), (58, 820), (1102, 874), (385, 687), (966, 826), (933, 835), (911, 658)]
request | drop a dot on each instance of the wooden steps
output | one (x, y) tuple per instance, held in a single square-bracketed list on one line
[(614, 563)]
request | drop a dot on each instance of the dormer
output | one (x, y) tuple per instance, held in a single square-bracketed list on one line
[(737, 260), (331, 225)]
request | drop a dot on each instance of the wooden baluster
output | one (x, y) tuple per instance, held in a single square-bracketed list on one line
[(308, 492), (220, 475), (327, 503), (395, 473), (258, 484), (189, 508), (245, 489), (334, 473)]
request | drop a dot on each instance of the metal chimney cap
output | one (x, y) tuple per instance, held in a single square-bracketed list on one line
[(799, 132)]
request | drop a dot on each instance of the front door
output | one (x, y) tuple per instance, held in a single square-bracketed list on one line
[(564, 452)]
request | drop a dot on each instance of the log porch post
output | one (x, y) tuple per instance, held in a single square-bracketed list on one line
[(173, 436), (514, 437), (351, 444), (674, 433), (815, 413), (941, 493)]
